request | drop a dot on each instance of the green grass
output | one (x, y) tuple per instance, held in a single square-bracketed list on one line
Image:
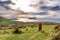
[(30, 34)]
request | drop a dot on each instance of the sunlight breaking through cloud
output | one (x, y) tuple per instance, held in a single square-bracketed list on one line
[(26, 5), (50, 9)]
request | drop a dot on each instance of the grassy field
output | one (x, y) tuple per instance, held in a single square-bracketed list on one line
[(30, 34)]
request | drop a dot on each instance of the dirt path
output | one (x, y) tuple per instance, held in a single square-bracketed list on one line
[(34, 35)]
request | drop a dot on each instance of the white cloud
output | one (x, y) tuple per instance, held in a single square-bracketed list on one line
[(51, 14)]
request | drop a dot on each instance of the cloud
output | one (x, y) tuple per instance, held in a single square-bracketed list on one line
[(8, 14), (3, 0), (5, 4), (47, 10)]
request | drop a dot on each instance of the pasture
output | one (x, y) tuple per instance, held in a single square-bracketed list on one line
[(29, 33)]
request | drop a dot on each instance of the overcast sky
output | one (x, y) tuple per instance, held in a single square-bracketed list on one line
[(50, 7)]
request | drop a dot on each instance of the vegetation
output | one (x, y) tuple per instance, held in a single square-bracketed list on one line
[(30, 34), (13, 30)]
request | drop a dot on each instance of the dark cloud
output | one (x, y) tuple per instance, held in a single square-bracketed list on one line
[(43, 6), (53, 8), (40, 13), (5, 4)]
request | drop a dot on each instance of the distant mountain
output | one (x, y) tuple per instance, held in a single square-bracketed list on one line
[(3, 20), (7, 21)]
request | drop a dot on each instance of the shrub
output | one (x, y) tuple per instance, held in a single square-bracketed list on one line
[(17, 31)]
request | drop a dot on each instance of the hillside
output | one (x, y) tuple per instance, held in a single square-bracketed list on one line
[(7, 21)]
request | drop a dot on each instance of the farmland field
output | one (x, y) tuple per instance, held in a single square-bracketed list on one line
[(29, 34)]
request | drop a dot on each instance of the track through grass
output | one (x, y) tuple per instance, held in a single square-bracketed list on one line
[(30, 34)]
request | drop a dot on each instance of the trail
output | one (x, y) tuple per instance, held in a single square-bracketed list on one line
[(34, 35)]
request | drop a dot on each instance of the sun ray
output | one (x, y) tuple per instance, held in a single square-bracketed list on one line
[(24, 5)]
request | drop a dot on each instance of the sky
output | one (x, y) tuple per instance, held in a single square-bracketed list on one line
[(43, 10)]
